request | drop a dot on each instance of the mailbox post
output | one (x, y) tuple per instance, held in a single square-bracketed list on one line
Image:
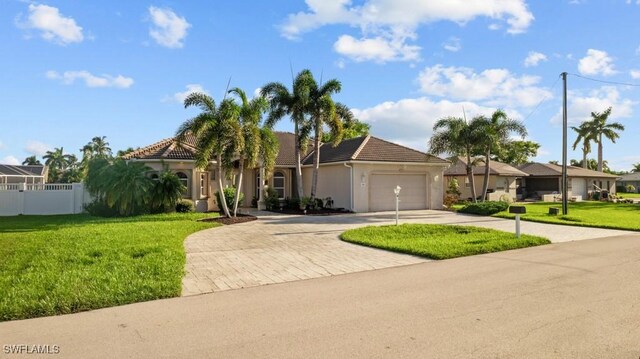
[(517, 210)]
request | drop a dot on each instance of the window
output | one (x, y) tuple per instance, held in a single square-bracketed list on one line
[(258, 184), (204, 184), (278, 183), (466, 182), (184, 179)]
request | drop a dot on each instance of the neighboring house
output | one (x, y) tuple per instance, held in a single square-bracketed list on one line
[(545, 178), (32, 174), (359, 174), (503, 179), (630, 179)]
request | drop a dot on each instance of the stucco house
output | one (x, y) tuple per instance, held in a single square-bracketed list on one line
[(27, 174), (358, 174), (503, 179), (545, 178), (630, 179)]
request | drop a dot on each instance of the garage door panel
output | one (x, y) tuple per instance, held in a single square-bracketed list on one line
[(412, 196)]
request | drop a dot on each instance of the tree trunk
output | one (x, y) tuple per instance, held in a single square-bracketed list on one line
[(298, 164), (225, 209), (485, 183), (316, 162), (238, 187), (472, 182), (600, 153), (584, 158)]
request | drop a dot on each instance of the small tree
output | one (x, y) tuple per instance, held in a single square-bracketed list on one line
[(166, 192)]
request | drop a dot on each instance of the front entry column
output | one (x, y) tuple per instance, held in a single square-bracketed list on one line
[(261, 205)]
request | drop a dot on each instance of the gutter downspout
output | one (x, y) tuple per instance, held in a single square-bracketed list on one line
[(351, 188)]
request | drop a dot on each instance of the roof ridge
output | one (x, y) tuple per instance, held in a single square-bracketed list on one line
[(397, 144), (361, 147), (148, 148)]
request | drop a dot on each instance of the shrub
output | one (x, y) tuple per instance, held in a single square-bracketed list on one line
[(595, 196), (272, 202), (292, 203), (621, 189), (100, 208), (328, 202), (506, 198), (454, 187), (630, 188), (307, 202), (185, 206), (450, 200), (166, 192), (229, 196), (318, 203), (485, 208)]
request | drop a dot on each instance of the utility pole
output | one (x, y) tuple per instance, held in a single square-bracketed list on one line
[(565, 185)]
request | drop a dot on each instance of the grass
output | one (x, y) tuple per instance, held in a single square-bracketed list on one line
[(64, 264), (586, 214), (439, 241), (628, 195)]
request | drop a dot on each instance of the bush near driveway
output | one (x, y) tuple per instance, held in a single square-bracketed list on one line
[(64, 264), (439, 241), (485, 208)]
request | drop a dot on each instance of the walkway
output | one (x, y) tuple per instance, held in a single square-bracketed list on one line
[(279, 248)]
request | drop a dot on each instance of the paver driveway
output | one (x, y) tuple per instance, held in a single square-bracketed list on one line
[(278, 249)]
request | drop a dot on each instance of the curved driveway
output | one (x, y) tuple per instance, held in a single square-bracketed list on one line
[(276, 249)]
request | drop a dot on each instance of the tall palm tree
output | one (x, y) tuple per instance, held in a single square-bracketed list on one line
[(217, 131), (294, 104), (323, 112), (256, 143), (58, 162), (585, 136), (496, 131), (636, 167), (457, 137), (127, 188), (31, 161), (599, 128)]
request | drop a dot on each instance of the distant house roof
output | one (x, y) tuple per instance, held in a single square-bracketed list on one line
[(367, 148), (635, 176), (495, 168), (536, 169), (22, 171)]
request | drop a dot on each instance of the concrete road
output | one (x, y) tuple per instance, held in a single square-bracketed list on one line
[(567, 300)]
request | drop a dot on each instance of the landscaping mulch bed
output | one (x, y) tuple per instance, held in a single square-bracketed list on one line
[(240, 218), (314, 212)]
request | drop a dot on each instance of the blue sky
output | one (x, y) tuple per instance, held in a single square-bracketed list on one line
[(71, 70)]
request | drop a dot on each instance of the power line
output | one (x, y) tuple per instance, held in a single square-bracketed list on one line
[(546, 97), (605, 81)]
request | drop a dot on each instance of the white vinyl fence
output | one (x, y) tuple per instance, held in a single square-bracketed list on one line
[(21, 198)]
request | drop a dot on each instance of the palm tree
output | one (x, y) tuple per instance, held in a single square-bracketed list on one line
[(324, 112), (98, 147), (584, 136), (294, 104), (128, 150), (31, 161), (455, 136), (166, 191), (127, 187), (58, 162), (636, 167), (598, 127), (257, 142), (496, 131), (217, 131)]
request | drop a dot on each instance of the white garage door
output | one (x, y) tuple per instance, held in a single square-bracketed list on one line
[(412, 196)]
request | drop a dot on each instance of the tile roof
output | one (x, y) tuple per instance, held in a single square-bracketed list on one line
[(17, 170), (495, 168), (551, 170), (365, 148), (635, 176)]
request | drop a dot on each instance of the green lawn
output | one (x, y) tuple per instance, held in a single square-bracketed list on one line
[(586, 214), (628, 195), (439, 241), (63, 264)]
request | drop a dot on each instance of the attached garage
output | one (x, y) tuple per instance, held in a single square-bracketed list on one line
[(412, 196)]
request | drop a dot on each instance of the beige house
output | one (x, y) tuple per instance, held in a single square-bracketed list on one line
[(545, 179), (503, 179), (359, 174)]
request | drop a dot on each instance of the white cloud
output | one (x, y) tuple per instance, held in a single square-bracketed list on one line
[(534, 58), (90, 80), (581, 105), (635, 74), (53, 26), (596, 62), (37, 148), (494, 87), (387, 25), (10, 160), (378, 49), (179, 97), (453, 44), (340, 63), (168, 29), (410, 121)]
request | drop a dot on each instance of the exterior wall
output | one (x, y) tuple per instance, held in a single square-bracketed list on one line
[(635, 184), (333, 181), (362, 171), (582, 186), (611, 188), (499, 184), (42, 199), (249, 185)]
